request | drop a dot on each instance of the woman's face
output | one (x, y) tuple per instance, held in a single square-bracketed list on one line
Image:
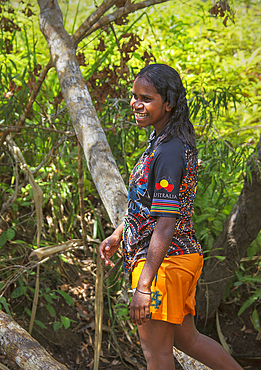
[(148, 106)]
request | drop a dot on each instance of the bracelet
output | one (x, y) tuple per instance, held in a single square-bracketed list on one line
[(142, 292)]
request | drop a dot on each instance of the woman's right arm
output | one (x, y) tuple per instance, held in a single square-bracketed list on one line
[(110, 245)]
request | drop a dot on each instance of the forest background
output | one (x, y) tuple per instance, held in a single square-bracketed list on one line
[(217, 53)]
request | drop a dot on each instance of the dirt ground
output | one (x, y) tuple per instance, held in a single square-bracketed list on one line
[(74, 346)]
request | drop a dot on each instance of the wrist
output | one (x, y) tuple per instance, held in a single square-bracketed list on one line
[(144, 286), (118, 232), (141, 292), (117, 235)]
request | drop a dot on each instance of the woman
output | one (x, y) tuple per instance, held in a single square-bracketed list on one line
[(160, 246)]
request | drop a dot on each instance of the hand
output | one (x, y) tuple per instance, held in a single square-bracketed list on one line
[(140, 308), (108, 247)]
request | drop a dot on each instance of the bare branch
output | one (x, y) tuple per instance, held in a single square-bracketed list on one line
[(33, 96), (46, 158), (121, 12), (6, 132), (13, 197), (44, 252), (29, 103), (92, 19), (17, 129)]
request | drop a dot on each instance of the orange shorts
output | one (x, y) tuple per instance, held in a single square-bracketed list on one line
[(173, 288)]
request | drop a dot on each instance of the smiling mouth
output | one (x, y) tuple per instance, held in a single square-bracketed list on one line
[(140, 115)]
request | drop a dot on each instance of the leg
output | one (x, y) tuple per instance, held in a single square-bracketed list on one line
[(157, 344), (202, 348)]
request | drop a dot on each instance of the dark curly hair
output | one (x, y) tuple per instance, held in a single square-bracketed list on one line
[(168, 84)]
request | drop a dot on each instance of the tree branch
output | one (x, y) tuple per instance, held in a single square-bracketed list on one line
[(92, 19), (40, 127), (29, 104), (46, 158), (121, 12), (33, 96)]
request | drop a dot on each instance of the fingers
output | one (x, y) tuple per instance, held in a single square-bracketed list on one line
[(108, 247), (147, 313), (105, 252), (139, 316), (101, 249), (140, 310), (143, 318)]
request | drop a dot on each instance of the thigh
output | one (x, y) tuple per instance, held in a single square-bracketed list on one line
[(157, 336), (186, 334)]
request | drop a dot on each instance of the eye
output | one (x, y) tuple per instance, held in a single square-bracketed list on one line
[(134, 96), (146, 99)]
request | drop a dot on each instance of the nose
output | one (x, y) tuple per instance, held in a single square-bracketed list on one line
[(136, 104)]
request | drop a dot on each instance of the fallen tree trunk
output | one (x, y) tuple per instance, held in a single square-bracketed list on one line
[(18, 345), (239, 231), (188, 363)]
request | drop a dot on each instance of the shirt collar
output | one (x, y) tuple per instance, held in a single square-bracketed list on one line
[(153, 141), (154, 136)]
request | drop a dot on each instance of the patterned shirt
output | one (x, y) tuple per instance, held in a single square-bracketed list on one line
[(162, 184)]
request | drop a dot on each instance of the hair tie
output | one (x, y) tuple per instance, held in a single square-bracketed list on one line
[(142, 292)]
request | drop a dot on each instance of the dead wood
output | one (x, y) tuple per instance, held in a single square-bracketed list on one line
[(239, 231), (44, 252), (18, 345), (188, 363), (38, 198)]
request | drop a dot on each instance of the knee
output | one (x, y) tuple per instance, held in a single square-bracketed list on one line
[(154, 353), (157, 358), (148, 352)]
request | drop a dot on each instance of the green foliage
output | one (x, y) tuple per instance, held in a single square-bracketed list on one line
[(21, 290), (68, 299), (256, 320), (66, 321), (40, 324), (50, 297), (255, 296), (220, 68), (6, 235), (5, 305), (121, 311)]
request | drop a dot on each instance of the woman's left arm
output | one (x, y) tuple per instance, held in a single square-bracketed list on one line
[(159, 245)]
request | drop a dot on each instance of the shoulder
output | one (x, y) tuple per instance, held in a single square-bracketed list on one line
[(173, 147)]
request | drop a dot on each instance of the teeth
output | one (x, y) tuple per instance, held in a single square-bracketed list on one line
[(140, 115)]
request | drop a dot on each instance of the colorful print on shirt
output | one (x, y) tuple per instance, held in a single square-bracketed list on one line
[(162, 184)]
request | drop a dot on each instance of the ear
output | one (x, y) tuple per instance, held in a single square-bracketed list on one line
[(168, 107)]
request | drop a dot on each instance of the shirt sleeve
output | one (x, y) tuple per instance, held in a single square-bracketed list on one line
[(167, 173)]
